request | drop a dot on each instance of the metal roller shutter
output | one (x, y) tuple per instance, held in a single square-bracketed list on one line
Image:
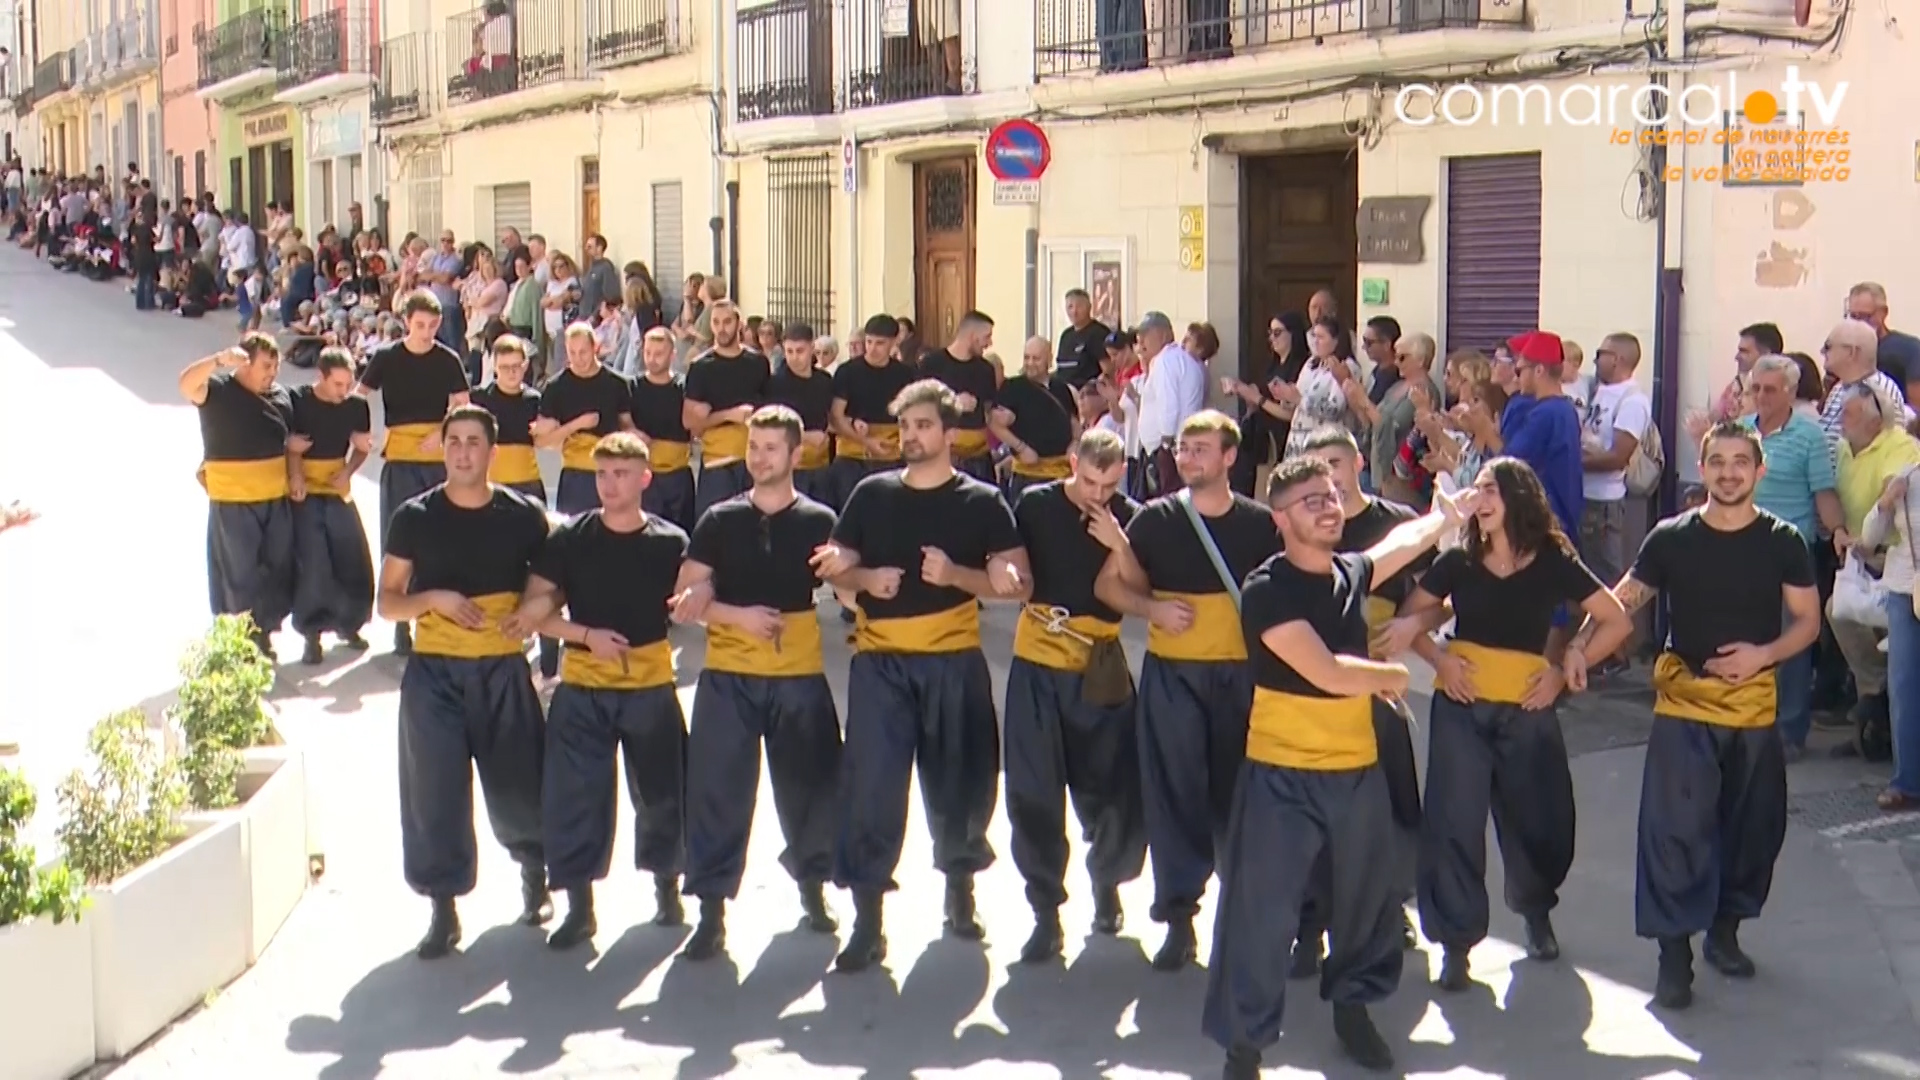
[(512, 209), (669, 247), (1493, 249)]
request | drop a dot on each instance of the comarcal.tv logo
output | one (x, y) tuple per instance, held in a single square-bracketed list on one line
[(1791, 132)]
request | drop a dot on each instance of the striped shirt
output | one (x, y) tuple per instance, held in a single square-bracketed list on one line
[(1799, 464), (1837, 404)]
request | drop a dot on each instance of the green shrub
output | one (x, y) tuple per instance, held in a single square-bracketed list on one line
[(225, 678), (26, 891), (126, 812)]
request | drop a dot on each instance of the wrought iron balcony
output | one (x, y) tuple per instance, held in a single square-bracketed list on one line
[(403, 90), (241, 46), (512, 45), (56, 73), (1105, 36), (623, 32), (905, 52), (334, 42), (785, 59)]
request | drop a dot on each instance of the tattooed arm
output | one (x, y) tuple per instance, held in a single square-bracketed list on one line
[(1599, 638)]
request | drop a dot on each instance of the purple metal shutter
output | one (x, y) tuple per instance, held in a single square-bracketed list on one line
[(1493, 249)]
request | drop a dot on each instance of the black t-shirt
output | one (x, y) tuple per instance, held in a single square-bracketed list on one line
[(869, 391), (474, 552), (1722, 587), (1514, 612), (1065, 558), (414, 387), (889, 523), (1334, 604), (1175, 560), (568, 397), (237, 424), (1369, 527), (974, 377), (728, 382), (612, 580), (762, 560), (1081, 351), (809, 395), (330, 425), (656, 409), (515, 413), (1042, 413)]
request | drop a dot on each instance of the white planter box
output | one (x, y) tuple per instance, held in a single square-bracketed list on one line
[(166, 934), (46, 999), (273, 816)]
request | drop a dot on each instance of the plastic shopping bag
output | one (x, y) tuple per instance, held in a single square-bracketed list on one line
[(1857, 596)]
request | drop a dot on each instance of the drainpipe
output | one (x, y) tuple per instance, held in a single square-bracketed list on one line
[(1669, 248), (725, 93), (733, 239)]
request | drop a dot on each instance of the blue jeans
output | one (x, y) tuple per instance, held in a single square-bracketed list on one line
[(1795, 690), (143, 287), (1903, 691)]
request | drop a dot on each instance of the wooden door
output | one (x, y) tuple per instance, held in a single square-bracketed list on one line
[(257, 187), (943, 235), (283, 175), (589, 199), (1301, 235)]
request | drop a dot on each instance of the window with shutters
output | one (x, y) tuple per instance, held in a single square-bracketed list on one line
[(800, 241), (669, 247), (1493, 249), (424, 199), (512, 209)]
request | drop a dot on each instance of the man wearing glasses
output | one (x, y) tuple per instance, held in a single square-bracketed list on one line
[(1898, 354)]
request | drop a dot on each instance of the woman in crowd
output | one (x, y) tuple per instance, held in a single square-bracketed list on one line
[(483, 296), (559, 307), (642, 296), (523, 315), (1891, 524), (1389, 421), (1319, 398)]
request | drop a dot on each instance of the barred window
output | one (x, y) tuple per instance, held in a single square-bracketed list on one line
[(800, 241)]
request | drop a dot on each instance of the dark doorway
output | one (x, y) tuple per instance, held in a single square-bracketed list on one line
[(257, 186), (943, 227), (236, 184), (283, 175), (1299, 220)]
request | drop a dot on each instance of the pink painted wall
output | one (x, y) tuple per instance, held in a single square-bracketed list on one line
[(188, 124)]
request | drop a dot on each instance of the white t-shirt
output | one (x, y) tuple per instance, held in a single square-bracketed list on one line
[(1620, 406)]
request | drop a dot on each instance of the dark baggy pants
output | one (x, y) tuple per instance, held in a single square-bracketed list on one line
[(250, 560), (549, 648), (815, 484), (333, 589), (1713, 816), (1402, 775), (718, 483), (1282, 822), (1192, 740), (933, 711), (845, 474), (1500, 757), (575, 493), (1058, 745), (400, 481), (669, 496), (457, 715), (732, 715), (584, 730)]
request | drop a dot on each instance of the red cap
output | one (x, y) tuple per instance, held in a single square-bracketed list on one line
[(1537, 347)]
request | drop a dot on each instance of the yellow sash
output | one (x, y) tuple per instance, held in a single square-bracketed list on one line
[(1037, 639), (577, 452), (1380, 611), (1313, 734), (737, 652), (723, 443), (514, 465), (956, 629), (1047, 468), (402, 445), (642, 668), (1679, 693), (437, 635), (812, 456), (1500, 676), (667, 457), (245, 481), (887, 435), (968, 443), (1214, 636), (317, 473)]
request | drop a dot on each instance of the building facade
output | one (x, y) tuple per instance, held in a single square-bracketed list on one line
[(57, 33), (325, 72), (119, 76), (188, 122), (260, 143)]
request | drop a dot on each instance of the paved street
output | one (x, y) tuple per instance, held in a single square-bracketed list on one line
[(97, 600)]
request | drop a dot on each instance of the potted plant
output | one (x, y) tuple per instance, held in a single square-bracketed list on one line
[(46, 1021), (168, 894)]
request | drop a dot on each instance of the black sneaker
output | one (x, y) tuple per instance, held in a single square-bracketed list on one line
[(1456, 971), (443, 932), (1722, 949), (1542, 943), (710, 937), (1108, 916), (1048, 941), (311, 653), (1179, 949), (579, 926), (867, 945), (963, 920), (1673, 989)]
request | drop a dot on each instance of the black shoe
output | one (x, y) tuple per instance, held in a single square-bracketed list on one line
[(536, 902), (1871, 708), (1455, 972), (1179, 949), (403, 640), (1308, 951), (867, 945), (1674, 987), (1542, 944), (311, 653), (354, 643), (1722, 949), (1108, 916), (443, 933), (264, 642), (1048, 941), (710, 937), (1409, 938), (962, 920), (1360, 1039), (579, 926), (667, 909), (813, 902), (1242, 1064)]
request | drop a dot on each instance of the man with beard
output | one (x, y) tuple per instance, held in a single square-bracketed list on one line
[(866, 437), (658, 408), (333, 436), (1312, 786), (920, 547), (1180, 569), (764, 681), (246, 420), (1033, 416), (615, 569), (1069, 712), (963, 367), (581, 405), (724, 387), (456, 561), (1713, 797), (516, 409), (419, 381), (809, 393)]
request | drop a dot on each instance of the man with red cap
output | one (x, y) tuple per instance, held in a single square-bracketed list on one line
[(1541, 426)]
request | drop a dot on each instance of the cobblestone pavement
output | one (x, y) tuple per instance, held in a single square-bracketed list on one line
[(338, 995)]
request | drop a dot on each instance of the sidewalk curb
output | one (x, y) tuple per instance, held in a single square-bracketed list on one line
[(1893, 901)]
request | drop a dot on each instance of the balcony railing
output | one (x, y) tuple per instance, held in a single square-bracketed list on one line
[(132, 41), (513, 45), (785, 59), (905, 52), (623, 32), (333, 42), (1123, 35), (56, 73), (403, 90), (242, 44)]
